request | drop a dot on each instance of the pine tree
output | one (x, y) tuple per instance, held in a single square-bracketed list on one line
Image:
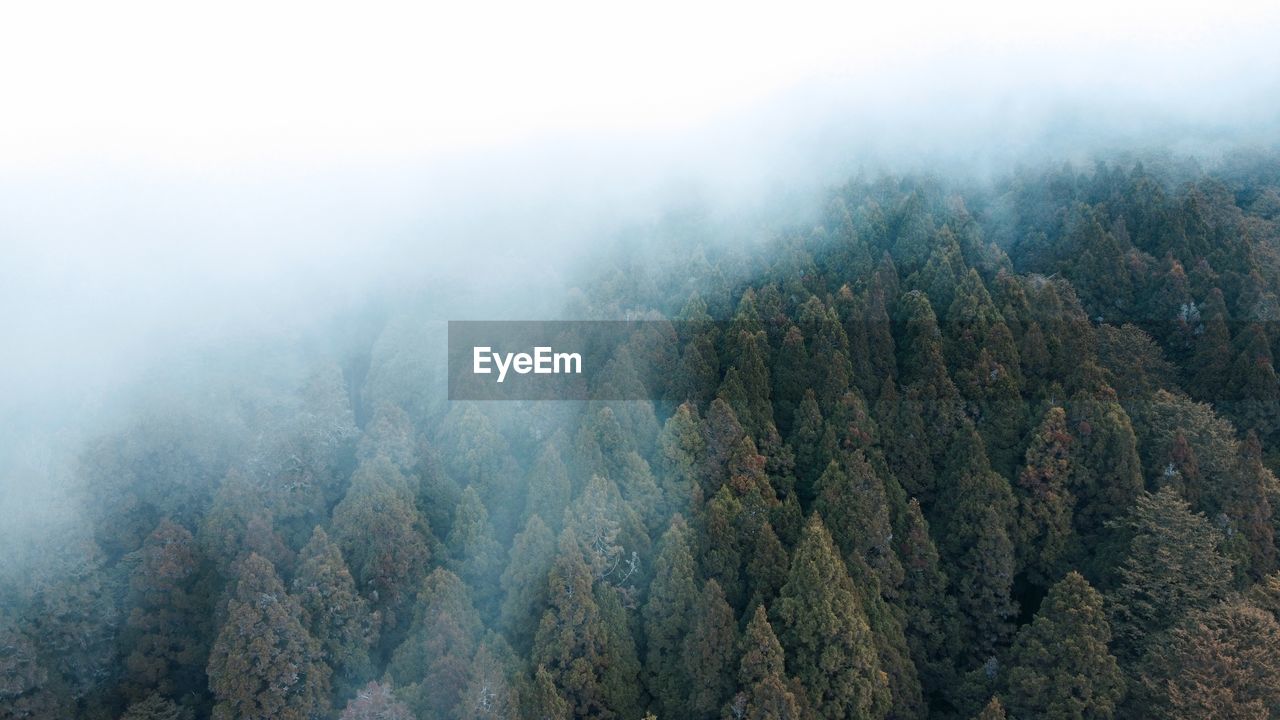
[(979, 515), (762, 677), (432, 665), (264, 663), (852, 502), (708, 653), (668, 616), (545, 701), (334, 613), (1173, 567), (570, 643), (826, 635), (156, 707), (168, 630), (1045, 516), (474, 554), (549, 489), (929, 612), (524, 582), (1219, 663), (1059, 665), (383, 538), (490, 693), (376, 701)]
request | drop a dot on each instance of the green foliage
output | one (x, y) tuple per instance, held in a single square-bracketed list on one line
[(1059, 665), (826, 635), (264, 663)]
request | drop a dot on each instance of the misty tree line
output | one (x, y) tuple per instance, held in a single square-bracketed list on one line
[(958, 450)]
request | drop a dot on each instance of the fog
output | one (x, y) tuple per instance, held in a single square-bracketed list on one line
[(178, 191)]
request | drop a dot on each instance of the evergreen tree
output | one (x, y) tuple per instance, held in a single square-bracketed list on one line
[(264, 663), (765, 694), (549, 489), (571, 639), (708, 653), (1060, 666), (1173, 567), (432, 665), (474, 554), (668, 616), (524, 582), (489, 694), (1219, 663), (333, 612), (376, 701), (545, 701), (826, 635), (929, 612), (681, 448), (1045, 516), (168, 630), (993, 711), (156, 707), (975, 539), (852, 502), (383, 538)]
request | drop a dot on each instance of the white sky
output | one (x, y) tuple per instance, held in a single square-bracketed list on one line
[(178, 83)]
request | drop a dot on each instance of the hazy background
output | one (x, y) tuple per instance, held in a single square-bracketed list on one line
[(177, 181)]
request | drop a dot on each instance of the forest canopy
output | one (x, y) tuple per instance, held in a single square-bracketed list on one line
[(951, 449)]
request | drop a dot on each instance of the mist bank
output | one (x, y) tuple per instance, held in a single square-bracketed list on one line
[(128, 274)]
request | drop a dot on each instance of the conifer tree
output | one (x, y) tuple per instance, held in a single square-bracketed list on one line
[(681, 448), (383, 538), (474, 554), (620, 673), (545, 701), (924, 369), (1060, 666), (376, 701), (490, 693), (762, 677), (826, 635), (978, 520), (993, 711), (854, 508), (1106, 471), (432, 665), (790, 377), (571, 639), (906, 449), (929, 611), (668, 616), (264, 663), (1173, 567), (1218, 663), (333, 612), (549, 490), (709, 653), (1045, 504), (168, 630), (156, 707), (524, 582)]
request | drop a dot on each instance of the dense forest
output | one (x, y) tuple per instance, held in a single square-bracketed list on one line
[(954, 449)]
